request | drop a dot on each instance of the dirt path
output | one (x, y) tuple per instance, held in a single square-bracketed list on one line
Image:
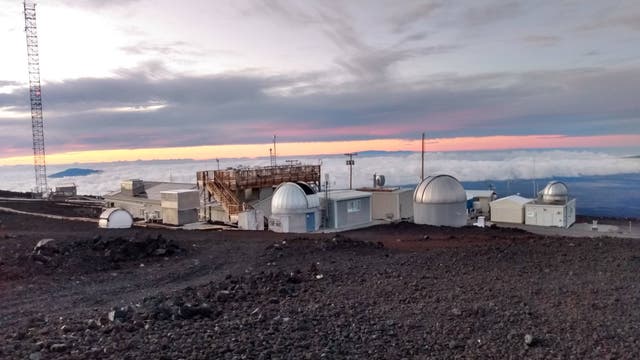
[(58, 217)]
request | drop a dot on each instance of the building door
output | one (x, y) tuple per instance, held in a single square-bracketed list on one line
[(547, 217), (559, 218), (311, 222)]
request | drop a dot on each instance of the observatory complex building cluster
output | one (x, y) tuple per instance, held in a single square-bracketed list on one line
[(293, 199)]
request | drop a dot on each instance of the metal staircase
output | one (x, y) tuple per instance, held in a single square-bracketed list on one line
[(223, 195)]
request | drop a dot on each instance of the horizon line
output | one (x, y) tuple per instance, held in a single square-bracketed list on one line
[(330, 148)]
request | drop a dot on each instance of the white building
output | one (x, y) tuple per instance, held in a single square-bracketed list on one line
[(295, 207), (64, 191), (142, 199), (346, 208), (441, 201), (391, 203), (179, 206), (552, 208), (509, 209)]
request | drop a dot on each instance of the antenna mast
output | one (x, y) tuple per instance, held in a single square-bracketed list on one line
[(422, 167), (35, 96)]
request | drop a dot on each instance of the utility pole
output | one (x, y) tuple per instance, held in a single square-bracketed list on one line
[(218, 162), (350, 163), (35, 97), (535, 186), (422, 173), (275, 162)]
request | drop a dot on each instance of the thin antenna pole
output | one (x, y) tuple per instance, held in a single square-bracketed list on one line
[(535, 187), (326, 199), (422, 173)]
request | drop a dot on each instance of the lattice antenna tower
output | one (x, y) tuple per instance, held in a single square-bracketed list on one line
[(35, 96)]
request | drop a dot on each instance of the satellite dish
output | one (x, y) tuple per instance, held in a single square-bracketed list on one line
[(380, 180)]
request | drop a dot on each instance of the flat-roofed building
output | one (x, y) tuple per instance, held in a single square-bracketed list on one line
[(346, 208)]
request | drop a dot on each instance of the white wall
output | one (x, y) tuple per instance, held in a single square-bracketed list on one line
[(251, 220), (406, 204), (293, 223), (507, 212), (550, 214), (392, 205), (385, 205), (440, 214)]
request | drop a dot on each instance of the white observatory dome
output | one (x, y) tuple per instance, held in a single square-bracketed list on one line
[(555, 191), (115, 218), (292, 198), (439, 189)]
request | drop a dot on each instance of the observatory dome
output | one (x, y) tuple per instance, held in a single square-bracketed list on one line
[(439, 189), (555, 191), (292, 198), (115, 218)]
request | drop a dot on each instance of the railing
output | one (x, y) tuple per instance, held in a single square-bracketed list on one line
[(267, 176)]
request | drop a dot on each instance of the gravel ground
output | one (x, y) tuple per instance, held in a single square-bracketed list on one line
[(387, 292)]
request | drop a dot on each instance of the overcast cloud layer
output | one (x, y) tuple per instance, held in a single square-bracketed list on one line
[(401, 169), (155, 74)]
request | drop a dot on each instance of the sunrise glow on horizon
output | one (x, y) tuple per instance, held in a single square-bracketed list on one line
[(285, 149)]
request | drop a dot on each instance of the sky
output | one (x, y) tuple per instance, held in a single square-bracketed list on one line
[(139, 79)]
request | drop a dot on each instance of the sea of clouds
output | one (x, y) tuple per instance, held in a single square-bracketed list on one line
[(398, 168)]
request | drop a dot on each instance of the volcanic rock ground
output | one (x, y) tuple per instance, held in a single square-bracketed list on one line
[(387, 292)]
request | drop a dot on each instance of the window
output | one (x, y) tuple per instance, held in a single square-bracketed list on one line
[(353, 206)]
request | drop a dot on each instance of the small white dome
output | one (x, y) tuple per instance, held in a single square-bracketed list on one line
[(439, 189), (291, 198), (115, 218), (555, 191)]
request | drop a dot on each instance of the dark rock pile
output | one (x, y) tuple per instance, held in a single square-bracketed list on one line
[(100, 253), (125, 249), (340, 242)]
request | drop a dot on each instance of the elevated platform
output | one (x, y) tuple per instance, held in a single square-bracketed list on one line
[(234, 188)]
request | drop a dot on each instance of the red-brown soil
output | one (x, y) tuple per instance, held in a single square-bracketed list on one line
[(387, 292)]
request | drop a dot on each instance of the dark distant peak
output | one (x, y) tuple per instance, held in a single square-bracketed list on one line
[(74, 172), (383, 153)]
